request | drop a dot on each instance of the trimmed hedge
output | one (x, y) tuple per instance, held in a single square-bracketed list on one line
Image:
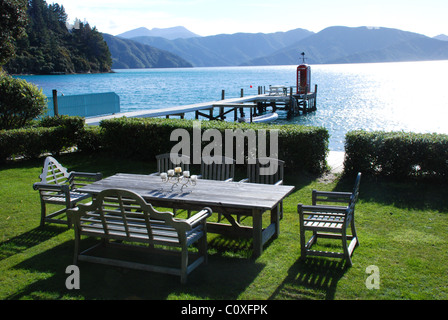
[(301, 147), (50, 134), (397, 154), (90, 139)]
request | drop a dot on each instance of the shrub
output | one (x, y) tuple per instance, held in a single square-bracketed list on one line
[(301, 147), (397, 154), (52, 134), (90, 139), (26, 142), (66, 134), (20, 102)]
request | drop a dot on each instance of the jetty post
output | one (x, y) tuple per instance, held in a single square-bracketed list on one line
[(55, 102)]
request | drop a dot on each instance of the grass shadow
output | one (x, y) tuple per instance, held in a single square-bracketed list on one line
[(28, 240), (312, 279), (230, 276), (227, 245), (405, 194)]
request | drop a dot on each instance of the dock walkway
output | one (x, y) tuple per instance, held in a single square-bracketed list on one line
[(292, 104), (177, 110)]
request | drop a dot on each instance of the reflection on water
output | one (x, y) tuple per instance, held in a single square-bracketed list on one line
[(385, 96)]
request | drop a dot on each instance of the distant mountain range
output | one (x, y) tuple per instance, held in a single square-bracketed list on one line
[(442, 37), (331, 45), (226, 49), (359, 45), (167, 33)]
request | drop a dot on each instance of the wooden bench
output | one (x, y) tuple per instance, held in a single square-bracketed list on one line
[(58, 186), (124, 216), (165, 163), (223, 171), (330, 221), (266, 170)]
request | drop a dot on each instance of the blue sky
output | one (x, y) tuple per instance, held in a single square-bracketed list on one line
[(210, 17)]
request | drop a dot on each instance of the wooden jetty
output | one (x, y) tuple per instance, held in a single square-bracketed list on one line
[(277, 98)]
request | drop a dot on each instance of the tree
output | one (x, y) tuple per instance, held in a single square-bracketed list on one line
[(12, 26), (20, 102), (51, 47)]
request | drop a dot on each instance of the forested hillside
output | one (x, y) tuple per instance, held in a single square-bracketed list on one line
[(131, 54), (50, 47)]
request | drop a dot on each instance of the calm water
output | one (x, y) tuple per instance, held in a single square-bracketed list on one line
[(387, 96)]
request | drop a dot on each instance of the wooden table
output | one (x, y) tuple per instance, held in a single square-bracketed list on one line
[(227, 198)]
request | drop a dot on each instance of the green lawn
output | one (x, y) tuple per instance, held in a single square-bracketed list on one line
[(402, 228)]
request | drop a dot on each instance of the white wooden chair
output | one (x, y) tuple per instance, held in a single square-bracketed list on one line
[(330, 221), (57, 186)]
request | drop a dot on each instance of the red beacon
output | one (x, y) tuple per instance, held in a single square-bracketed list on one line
[(303, 77)]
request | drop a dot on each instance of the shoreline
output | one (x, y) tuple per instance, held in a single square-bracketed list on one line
[(55, 73)]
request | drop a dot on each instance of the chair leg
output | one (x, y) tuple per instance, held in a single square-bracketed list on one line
[(184, 265), (345, 247), (43, 210), (76, 253), (69, 221), (353, 228), (302, 242), (202, 246)]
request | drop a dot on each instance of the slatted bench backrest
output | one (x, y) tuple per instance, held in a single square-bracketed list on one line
[(165, 163), (123, 215), (53, 172), (212, 170), (273, 171)]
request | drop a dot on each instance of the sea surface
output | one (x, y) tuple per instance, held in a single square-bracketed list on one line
[(406, 96)]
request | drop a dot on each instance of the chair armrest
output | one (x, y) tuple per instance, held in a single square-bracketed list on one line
[(51, 187), (278, 183), (199, 217), (333, 194), (306, 209), (244, 180), (75, 213), (94, 176)]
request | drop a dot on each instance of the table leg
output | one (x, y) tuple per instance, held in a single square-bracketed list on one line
[(275, 219), (257, 233)]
